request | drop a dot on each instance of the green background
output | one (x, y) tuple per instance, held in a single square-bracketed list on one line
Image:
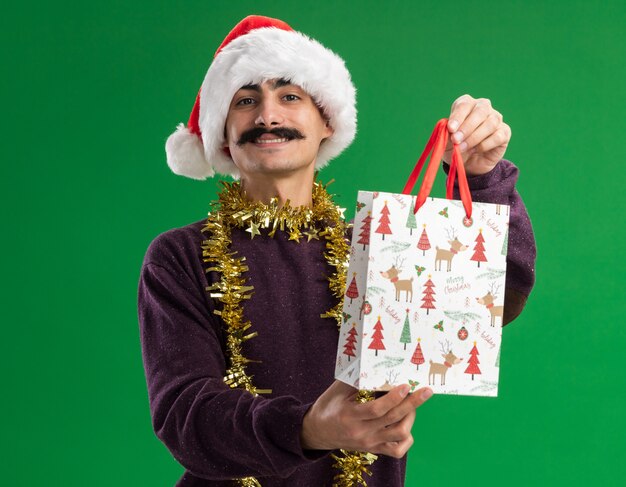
[(90, 92)]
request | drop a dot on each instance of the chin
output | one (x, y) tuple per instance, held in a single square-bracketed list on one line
[(276, 165), (279, 167)]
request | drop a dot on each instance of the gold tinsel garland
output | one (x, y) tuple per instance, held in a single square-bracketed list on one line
[(233, 209)]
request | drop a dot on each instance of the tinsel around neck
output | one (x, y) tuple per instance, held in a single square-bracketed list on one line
[(236, 208)]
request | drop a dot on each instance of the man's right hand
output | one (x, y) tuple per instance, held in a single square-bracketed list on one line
[(382, 426)]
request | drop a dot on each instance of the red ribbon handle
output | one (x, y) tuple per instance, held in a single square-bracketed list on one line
[(437, 144)]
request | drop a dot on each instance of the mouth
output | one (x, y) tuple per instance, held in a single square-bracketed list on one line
[(268, 141), (263, 138)]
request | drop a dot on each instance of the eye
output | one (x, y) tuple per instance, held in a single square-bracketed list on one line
[(291, 97), (245, 101)]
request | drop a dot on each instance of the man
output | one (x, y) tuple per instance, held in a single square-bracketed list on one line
[(274, 107)]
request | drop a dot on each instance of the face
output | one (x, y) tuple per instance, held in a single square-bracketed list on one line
[(274, 128)]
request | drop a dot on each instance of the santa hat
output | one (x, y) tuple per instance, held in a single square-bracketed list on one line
[(258, 49)]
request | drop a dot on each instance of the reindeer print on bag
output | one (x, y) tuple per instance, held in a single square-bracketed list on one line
[(441, 369), (405, 285), (447, 255), (488, 299)]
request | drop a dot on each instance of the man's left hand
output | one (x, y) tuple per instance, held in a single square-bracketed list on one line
[(480, 132)]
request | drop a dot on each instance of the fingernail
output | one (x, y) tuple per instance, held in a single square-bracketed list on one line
[(463, 146), (404, 391), (458, 137), (454, 125), (426, 393)]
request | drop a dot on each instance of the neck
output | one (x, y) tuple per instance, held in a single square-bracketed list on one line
[(297, 188)]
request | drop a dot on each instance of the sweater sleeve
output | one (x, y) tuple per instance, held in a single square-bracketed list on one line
[(214, 431), (498, 186)]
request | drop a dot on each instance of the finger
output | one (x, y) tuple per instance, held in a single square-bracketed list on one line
[(485, 130), (461, 108), (381, 406), (480, 111), (398, 431), (500, 138), (408, 406), (447, 153), (394, 449)]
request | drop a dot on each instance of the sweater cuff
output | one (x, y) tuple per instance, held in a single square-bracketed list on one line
[(480, 181), (288, 433), (514, 302), (312, 455)]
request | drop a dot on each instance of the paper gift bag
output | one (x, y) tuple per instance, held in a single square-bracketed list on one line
[(425, 287)]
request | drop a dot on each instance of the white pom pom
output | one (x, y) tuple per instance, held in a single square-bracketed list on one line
[(185, 154)]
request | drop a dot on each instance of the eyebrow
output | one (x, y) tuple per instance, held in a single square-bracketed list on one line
[(275, 85)]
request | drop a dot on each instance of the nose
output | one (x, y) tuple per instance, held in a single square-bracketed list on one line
[(269, 114)]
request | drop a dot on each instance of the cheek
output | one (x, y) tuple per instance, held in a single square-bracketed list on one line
[(230, 135), (231, 131)]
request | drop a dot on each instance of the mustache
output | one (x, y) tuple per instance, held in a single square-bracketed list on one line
[(280, 132)]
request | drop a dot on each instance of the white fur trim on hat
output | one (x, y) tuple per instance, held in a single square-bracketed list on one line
[(185, 154), (263, 54)]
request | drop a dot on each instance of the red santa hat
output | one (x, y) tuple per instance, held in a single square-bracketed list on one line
[(258, 49)]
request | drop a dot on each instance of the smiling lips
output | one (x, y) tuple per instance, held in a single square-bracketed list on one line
[(270, 141)]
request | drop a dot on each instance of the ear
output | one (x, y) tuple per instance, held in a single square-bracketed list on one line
[(226, 146), (328, 130)]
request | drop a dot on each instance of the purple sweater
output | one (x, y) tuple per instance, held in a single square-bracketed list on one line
[(218, 433)]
